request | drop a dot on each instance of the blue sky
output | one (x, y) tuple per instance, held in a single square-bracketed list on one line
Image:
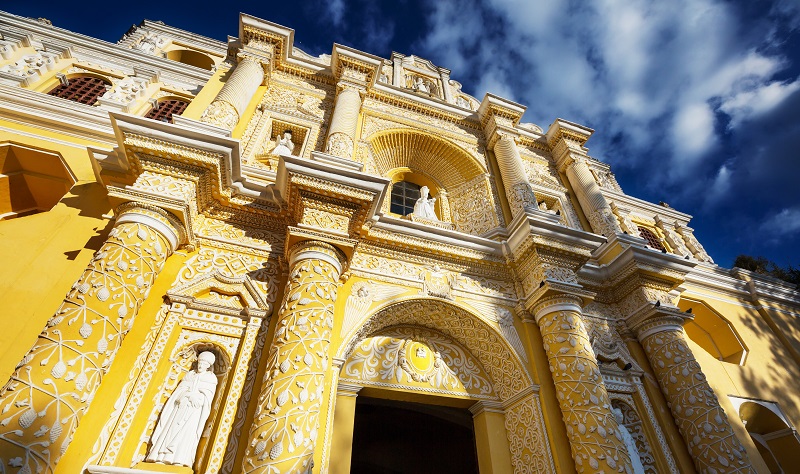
[(694, 102)]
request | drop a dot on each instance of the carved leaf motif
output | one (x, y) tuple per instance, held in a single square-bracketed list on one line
[(27, 418)]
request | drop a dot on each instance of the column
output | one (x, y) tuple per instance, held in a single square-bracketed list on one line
[(342, 133), (593, 433), (444, 205), (701, 420), (518, 189), (227, 108), (343, 422), (54, 384), (592, 201), (286, 426), (491, 440)]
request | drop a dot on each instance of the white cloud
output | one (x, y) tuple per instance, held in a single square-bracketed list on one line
[(784, 223), (335, 9), (653, 76)]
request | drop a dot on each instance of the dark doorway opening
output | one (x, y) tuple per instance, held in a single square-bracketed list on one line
[(392, 437)]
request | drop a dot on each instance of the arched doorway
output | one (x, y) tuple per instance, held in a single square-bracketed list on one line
[(436, 352), (395, 437)]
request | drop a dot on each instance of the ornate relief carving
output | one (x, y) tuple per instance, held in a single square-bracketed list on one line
[(75, 350), (694, 245), (505, 321), (472, 208), (293, 102), (221, 114), (262, 272), (505, 370), (325, 220), (594, 438), (339, 144), (700, 419), (633, 423), (286, 424), (362, 295), (165, 186), (438, 282), (265, 239), (416, 358), (603, 221), (527, 437)]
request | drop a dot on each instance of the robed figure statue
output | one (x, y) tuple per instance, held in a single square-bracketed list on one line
[(424, 206), (184, 416)]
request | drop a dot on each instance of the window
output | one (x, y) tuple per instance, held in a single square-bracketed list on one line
[(83, 89), (651, 238), (404, 196), (166, 109)]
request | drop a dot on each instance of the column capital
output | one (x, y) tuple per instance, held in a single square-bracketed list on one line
[(554, 300), (655, 318), (262, 58), (306, 249), (156, 218), (348, 389)]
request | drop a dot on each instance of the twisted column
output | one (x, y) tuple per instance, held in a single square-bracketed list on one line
[(286, 425), (227, 108), (594, 435), (54, 384), (342, 133), (518, 189), (594, 204), (701, 420)]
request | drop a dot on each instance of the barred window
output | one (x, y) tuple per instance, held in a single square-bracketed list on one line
[(166, 109), (404, 196), (651, 238), (83, 89)]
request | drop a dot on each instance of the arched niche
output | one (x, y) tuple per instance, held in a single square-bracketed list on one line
[(192, 58), (773, 434), (31, 180), (458, 180), (714, 333)]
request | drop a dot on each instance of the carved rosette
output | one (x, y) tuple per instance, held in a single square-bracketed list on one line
[(54, 384), (701, 420), (221, 114), (286, 426), (594, 436)]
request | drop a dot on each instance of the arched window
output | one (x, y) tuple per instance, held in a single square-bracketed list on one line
[(404, 196), (83, 89), (166, 109), (651, 238)]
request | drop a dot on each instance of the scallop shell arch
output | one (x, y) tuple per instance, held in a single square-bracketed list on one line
[(506, 371), (440, 159)]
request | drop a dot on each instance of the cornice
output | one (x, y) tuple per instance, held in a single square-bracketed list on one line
[(646, 207), (56, 114), (121, 57)]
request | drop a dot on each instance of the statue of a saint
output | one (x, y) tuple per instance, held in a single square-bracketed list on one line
[(633, 451), (285, 145), (424, 206), (184, 416)]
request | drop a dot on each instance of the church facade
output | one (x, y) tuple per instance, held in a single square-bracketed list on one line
[(282, 263)]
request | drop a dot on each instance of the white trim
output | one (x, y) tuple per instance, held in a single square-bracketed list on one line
[(557, 307), (309, 254), (153, 223), (666, 327)]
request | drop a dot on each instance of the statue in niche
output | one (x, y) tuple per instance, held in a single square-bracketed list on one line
[(424, 206), (633, 451), (285, 144), (184, 416)]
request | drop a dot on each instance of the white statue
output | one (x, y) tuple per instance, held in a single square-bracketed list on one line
[(424, 206), (420, 86), (184, 416), (633, 451), (285, 145)]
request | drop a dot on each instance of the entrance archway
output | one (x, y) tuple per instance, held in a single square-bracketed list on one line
[(422, 439), (438, 352)]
